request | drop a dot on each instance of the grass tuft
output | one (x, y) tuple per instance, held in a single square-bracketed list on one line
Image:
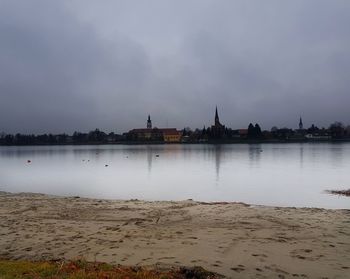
[(81, 269)]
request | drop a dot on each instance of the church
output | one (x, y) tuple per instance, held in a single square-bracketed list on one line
[(217, 130), (148, 134)]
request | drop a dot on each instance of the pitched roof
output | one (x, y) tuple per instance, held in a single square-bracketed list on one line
[(142, 130), (166, 131), (170, 131)]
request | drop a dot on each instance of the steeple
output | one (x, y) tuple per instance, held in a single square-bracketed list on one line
[(217, 130), (217, 121), (301, 126), (149, 122)]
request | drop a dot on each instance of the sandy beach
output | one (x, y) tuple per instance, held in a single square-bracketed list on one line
[(232, 239)]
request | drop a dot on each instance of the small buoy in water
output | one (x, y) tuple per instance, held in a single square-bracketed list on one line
[(106, 165), (29, 161), (261, 150), (157, 155)]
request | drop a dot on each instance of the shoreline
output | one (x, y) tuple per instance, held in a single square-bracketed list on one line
[(232, 239), (333, 192), (286, 141), (38, 195)]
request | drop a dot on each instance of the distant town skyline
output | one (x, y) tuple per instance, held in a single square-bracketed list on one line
[(215, 133), (78, 65)]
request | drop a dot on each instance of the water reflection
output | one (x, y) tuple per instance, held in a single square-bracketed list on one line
[(218, 152), (301, 155), (272, 174), (337, 154), (255, 151), (149, 159)]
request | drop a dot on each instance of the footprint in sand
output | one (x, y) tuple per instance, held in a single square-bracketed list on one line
[(259, 255), (237, 269), (281, 272), (166, 258)]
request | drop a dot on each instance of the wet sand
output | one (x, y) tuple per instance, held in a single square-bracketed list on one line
[(232, 239)]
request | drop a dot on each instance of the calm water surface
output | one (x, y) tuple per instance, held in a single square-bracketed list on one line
[(266, 174)]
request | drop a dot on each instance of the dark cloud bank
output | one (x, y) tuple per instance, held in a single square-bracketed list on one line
[(78, 65)]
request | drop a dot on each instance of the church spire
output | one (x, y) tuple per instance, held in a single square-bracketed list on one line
[(217, 121), (301, 126), (149, 122)]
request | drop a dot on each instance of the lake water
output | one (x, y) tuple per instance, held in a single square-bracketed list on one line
[(264, 174)]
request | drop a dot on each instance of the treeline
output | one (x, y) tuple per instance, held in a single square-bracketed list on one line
[(336, 131), (92, 137)]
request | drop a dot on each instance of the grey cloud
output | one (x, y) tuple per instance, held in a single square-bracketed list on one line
[(77, 65)]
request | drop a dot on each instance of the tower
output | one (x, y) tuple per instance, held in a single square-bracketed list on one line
[(149, 122), (301, 126), (217, 121), (217, 130)]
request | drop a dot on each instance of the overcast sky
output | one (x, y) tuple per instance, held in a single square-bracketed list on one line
[(81, 64)]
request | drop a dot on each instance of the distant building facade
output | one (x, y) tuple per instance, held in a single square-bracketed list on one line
[(243, 133), (149, 134), (145, 135), (171, 135)]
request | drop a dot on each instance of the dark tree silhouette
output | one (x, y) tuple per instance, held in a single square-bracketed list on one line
[(251, 131), (258, 133), (337, 130)]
